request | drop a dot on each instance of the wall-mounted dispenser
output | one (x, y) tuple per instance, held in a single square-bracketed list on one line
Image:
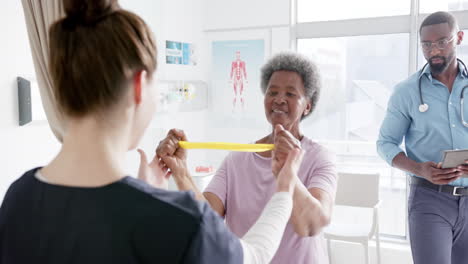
[(29, 102), (24, 101)]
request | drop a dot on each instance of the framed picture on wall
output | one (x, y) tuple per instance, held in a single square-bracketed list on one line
[(236, 76), (180, 53), (236, 99)]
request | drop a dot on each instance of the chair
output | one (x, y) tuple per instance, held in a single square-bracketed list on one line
[(356, 190)]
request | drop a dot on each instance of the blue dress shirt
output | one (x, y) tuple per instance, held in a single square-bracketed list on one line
[(426, 134)]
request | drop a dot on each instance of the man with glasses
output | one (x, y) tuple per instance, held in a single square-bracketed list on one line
[(425, 111)]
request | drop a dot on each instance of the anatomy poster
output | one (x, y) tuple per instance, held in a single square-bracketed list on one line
[(236, 77)]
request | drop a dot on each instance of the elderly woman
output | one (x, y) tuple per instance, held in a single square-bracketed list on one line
[(245, 181)]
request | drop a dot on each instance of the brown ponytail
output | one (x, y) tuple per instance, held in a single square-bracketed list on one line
[(94, 53)]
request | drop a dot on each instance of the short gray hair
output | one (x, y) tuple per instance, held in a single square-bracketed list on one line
[(295, 62)]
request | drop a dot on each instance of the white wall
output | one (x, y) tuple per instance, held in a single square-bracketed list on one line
[(23, 148), (226, 14), (176, 20)]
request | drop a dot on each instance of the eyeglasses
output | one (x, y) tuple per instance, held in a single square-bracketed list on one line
[(440, 44)]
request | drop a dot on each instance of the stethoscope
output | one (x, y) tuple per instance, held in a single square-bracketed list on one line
[(423, 107)]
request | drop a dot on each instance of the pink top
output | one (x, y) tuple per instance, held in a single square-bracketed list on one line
[(245, 184)]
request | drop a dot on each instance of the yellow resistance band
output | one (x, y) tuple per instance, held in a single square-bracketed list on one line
[(226, 146)]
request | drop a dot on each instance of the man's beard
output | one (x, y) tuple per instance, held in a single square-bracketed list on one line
[(438, 68)]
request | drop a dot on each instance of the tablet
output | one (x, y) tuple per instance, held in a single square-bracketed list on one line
[(453, 158)]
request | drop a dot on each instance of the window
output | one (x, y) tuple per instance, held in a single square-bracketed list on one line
[(364, 48), (462, 50), (429, 6), (358, 76), (308, 10)]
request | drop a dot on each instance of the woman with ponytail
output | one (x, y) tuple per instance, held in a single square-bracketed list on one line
[(81, 207)]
